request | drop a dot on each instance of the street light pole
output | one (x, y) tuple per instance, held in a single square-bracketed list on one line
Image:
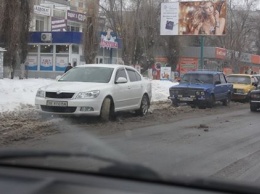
[(201, 52)]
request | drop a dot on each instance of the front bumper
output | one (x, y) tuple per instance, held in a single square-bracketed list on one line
[(239, 96), (89, 107), (189, 100)]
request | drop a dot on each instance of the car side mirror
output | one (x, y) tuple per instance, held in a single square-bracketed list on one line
[(121, 80), (217, 82), (58, 77)]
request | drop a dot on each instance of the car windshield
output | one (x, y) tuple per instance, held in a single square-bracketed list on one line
[(239, 79), (197, 78), (88, 74)]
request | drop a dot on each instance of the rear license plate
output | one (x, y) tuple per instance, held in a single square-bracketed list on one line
[(186, 99), (57, 103)]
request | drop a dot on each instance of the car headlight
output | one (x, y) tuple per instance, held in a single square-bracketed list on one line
[(200, 93), (40, 93), (90, 94)]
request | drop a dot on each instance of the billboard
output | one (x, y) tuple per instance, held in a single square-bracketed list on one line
[(194, 18)]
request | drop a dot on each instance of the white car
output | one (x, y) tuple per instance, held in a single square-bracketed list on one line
[(98, 90)]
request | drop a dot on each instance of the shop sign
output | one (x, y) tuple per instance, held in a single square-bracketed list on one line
[(109, 40), (46, 63), (220, 53), (76, 16), (42, 10), (58, 25)]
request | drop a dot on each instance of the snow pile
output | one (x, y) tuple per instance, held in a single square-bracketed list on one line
[(16, 94), (160, 89)]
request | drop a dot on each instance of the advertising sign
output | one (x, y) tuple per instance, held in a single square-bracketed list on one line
[(187, 64), (61, 63), (58, 25), (194, 18), (76, 16), (31, 63), (169, 18), (46, 63), (220, 53), (109, 40), (42, 10), (165, 73)]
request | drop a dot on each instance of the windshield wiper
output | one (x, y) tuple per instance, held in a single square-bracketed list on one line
[(199, 81), (119, 168)]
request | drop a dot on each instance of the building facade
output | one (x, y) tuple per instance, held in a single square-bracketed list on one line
[(56, 35)]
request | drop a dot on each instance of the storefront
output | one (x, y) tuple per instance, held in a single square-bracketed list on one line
[(50, 52)]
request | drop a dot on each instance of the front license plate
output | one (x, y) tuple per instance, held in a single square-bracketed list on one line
[(186, 99), (57, 103)]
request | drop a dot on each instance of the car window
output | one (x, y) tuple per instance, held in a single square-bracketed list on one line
[(132, 75), (238, 79), (88, 74), (120, 73), (222, 79), (197, 78), (216, 78)]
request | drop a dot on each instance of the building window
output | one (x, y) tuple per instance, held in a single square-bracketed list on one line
[(46, 49), (73, 27), (75, 49), (33, 48), (39, 24), (62, 49)]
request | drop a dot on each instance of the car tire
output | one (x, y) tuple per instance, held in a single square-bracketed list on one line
[(211, 101), (105, 112), (226, 102), (175, 103), (144, 107), (253, 108), (193, 106)]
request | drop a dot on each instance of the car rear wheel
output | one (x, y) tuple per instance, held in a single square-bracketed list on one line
[(106, 112), (226, 102), (144, 107)]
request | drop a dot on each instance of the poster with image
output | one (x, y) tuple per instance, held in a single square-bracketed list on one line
[(46, 63), (61, 63), (169, 18), (165, 73), (31, 63), (194, 18)]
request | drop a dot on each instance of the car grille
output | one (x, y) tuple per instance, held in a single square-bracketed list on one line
[(60, 95), (58, 109), (184, 92)]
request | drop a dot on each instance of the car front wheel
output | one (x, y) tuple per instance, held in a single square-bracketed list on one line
[(106, 112), (253, 108)]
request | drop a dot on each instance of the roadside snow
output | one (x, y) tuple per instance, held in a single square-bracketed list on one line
[(15, 93)]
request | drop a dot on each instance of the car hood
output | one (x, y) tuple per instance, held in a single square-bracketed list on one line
[(193, 86), (74, 86), (241, 86)]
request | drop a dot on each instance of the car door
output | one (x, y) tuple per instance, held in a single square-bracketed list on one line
[(121, 94), (136, 87), (219, 87)]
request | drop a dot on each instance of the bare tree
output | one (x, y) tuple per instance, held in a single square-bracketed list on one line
[(14, 31), (90, 34), (137, 23)]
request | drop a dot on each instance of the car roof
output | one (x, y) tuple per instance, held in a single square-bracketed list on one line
[(204, 72), (104, 65), (249, 75)]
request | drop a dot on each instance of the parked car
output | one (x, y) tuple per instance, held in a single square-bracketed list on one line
[(96, 90), (202, 89), (257, 76), (255, 98), (243, 84)]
